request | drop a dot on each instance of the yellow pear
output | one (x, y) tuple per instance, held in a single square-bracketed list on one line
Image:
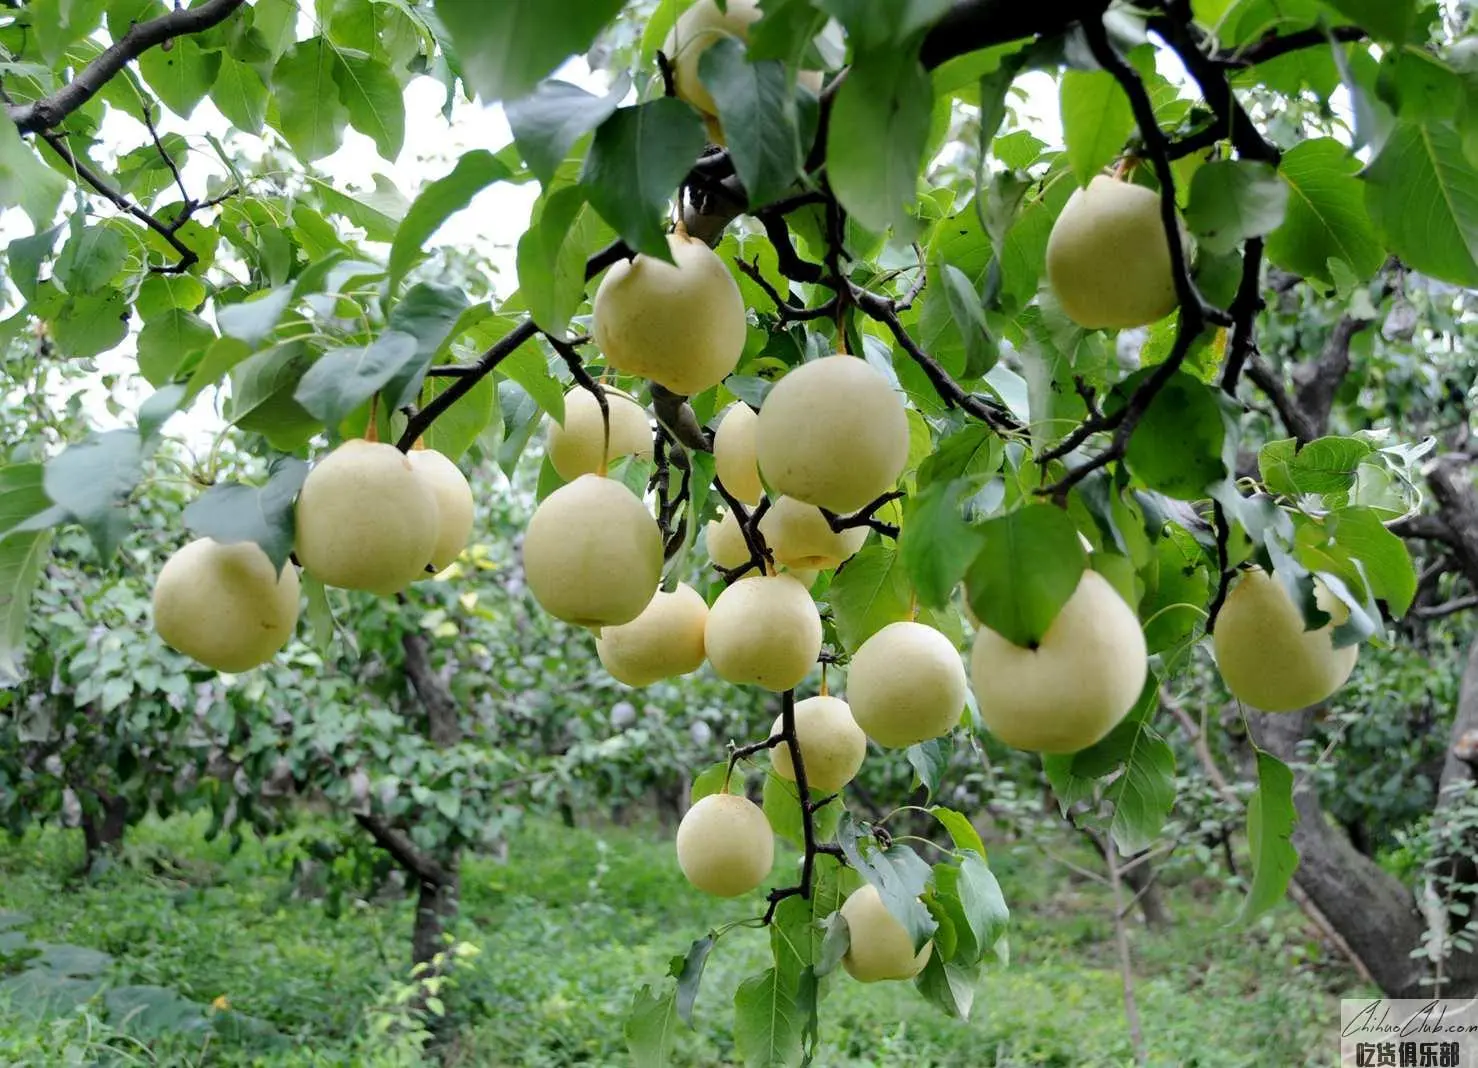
[(366, 520), (726, 545), (453, 504), (906, 685), (833, 433), (695, 30), (799, 536), (806, 576), (665, 641), (592, 554), (733, 454), (1108, 261), (679, 324), (1266, 657), (880, 946), (724, 845), (763, 630), (1077, 684), (225, 605), (832, 745), (574, 447)]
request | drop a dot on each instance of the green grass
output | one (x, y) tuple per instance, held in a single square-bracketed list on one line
[(579, 919)]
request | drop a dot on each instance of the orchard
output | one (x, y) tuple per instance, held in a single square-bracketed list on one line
[(817, 387)]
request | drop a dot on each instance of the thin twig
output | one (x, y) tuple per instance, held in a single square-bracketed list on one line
[(866, 516), (808, 817), (496, 354)]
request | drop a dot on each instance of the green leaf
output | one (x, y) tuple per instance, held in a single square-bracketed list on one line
[(878, 133), (344, 379), (1323, 466), (374, 100), (1388, 565), (181, 76), (22, 555), (1096, 121), (90, 259), (562, 234), (928, 760), (960, 829), (1142, 790), (428, 312), (459, 426), (262, 388), (1327, 217), (883, 24), (311, 114), (25, 181), (689, 974), (899, 875), (156, 411), (868, 594), (378, 213), (1422, 194), (1177, 590), (1028, 566), (91, 324), (1271, 817), (548, 122), (252, 320), (92, 479), (25, 255), (162, 293), (1232, 201), (767, 1024), (233, 511), (1177, 446), (757, 109), (711, 780), (968, 315), (947, 985), (983, 904), (649, 1028), (936, 543), (1386, 19), (164, 342), (505, 48), (636, 161), (240, 95), (439, 201)]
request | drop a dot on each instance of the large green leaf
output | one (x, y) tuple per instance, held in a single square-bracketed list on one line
[(1176, 448), (342, 380), (547, 123), (767, 1021), (91, 481), (1387, 19), (649, 1028), (878, 133), (262, 388), (868, 594), (92, 323), (439, 201), (311, 114), (1387, 562), (90, 259), (21, 557), (181, 76), (241, 95), (233, 512), (936, 544), (1270, 821), (636, 161), (757, 108), (1422, 194), (1326, 216), (1233, 200), (506, 47), (25, 181), (1029, 564), (1096, 120), (374, 100), (166, 340)]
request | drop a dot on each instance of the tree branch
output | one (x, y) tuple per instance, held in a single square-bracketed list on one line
[(399, 846), (500, 351), (46, 113), (865, 517), (1438, 611), (808, 812), (1273, 45)]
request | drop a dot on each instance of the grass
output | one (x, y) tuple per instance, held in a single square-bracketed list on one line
[(577, 920)]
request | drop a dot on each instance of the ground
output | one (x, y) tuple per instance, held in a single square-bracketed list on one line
[(575, 920)]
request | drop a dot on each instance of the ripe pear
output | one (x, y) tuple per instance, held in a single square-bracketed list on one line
[(725, 846), (225, 605), (453, 504), (574, 447), (592, 554), (726, 545), (1108, 261), (733, 454), (832, 745), (1266, 657), (665, 641), (366, 520), (806, 576), (833, 433), (880, 946), (681, 325), (763, 630), (799, 536), (1082, 678), (906, 685), (699, 27)]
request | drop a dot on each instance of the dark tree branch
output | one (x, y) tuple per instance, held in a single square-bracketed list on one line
[(788, 312), (496, 354), (975, 24), (46, 113), (1245, 306), (1426, 527), (1438, 611), (866, 517), (808, 812), (406, 853), (760, 557), (1273, 45)]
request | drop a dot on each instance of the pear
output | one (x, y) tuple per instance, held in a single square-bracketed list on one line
[(733, 454), (575, 447), (726, 545), (833, 433), (453, 504), (799, 536), (366, 520), (1082, 678), (880, 947), (692, 34), (906, 685), (225, 605), (763, 630), (665, 641), (592, 553), (1266, 657), (679, 324), (832, 745), (725, 846), (1108, 261)]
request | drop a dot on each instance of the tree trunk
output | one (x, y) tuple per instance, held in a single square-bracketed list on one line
[(104, 834), (436, 907)]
